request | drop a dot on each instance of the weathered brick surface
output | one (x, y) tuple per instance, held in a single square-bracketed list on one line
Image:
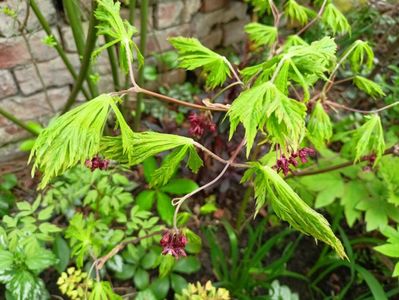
[(214, 22), (233, 32), (14, 51), (7, 84), (158, 41), (53, 72), (34, 106), (168, 14), (190, 8), (212, 5), (8, 27)]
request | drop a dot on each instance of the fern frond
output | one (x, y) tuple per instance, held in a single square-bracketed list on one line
[(71, 138), (261, 34), (265, 107), (290, 207), (336, 20), (120, 31), (319, 126), (370, 139), (369, 87), (193, 55)]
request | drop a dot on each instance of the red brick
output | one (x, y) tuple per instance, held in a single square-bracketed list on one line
[(212, 5)]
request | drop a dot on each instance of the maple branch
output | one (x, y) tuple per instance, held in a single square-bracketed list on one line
[(179, 201), (374, 111), (393, 150), (307, 26)]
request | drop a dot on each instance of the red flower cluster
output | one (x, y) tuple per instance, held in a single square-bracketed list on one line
[(283, 163), (371, 160), (200, 123), (173, 243), (97, 163)]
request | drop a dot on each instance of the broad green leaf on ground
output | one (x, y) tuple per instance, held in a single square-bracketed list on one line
[(370, 139), (390, 248), (261, 34), (23, 285), (389, 170), (289, 206), (354, 192), (377, 209), (180, 186), (165, 207), (193, 55), (267, 109)]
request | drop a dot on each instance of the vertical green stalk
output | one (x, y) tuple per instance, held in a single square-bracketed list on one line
[(17, 121), (143, 42), (46, 27), (84, 68), (72, 11), (114, 64), (132, 11)]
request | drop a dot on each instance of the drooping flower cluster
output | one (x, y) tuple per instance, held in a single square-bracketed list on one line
[(283, 163), (200, 123), (370, 163), (97, 163), (173, 243)]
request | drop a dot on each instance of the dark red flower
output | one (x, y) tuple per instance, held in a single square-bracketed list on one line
[(173, 243), (283, 163), (97, 163), (200, 123)]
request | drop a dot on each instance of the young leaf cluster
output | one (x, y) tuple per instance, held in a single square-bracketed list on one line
[(319, 126), (369, 87), (335, 20), (266, 108), (370, 138), (120, 31), (297, 12), (261, 34), (193, 55)]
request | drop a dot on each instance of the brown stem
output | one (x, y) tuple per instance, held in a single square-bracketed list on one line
[(393, 150), (374, 111), (99, 263), (307, 26), (179, 201), (176, 101)]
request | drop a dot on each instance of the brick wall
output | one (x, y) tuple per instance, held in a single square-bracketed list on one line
[(217, 23)]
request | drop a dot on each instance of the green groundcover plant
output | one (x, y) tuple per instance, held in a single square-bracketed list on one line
[(284, 103)]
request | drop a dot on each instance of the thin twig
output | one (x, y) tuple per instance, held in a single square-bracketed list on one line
[(233, 70), (218, 158), (99, 263), (165, 98), (319, 14), (225, 89), (178, 202), (374, 111), (393, 150)]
